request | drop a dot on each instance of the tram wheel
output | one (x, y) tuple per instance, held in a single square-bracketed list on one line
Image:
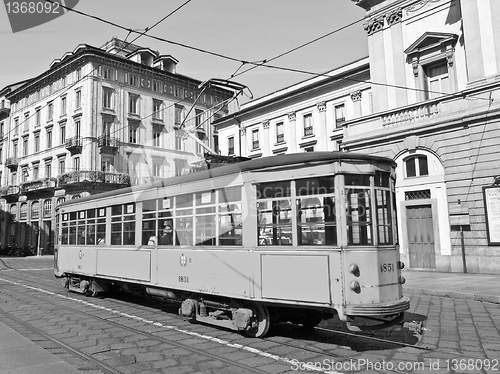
[(263, 322)]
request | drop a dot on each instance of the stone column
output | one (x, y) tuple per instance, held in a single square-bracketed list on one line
[(292, 132), (321, 131)]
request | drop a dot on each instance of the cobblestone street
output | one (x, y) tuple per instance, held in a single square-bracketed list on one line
[(136, 336)]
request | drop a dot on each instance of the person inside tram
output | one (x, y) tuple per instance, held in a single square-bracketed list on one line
[(166, 235)]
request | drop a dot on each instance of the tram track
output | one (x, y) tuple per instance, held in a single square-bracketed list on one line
[(134, 330), (102, 367), (146, 304)]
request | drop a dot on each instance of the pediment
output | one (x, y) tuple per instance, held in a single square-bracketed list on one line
[(430, 40)]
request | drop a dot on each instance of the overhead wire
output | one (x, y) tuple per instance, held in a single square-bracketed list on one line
[(263, 63)]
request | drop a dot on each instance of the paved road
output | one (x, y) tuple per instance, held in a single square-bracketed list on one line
[(135, 335)]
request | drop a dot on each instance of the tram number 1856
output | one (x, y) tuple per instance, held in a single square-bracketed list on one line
[(384, 268)]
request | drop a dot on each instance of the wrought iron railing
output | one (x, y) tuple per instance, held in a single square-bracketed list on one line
[(94, 177)]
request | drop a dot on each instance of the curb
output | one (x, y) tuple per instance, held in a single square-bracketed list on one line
[(453, 295)]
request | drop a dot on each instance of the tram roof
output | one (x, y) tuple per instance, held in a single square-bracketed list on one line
[(251, 165)]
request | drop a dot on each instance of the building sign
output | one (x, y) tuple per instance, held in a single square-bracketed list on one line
[(492, 209)]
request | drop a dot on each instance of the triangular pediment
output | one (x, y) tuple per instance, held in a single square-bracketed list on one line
[(431, 40)]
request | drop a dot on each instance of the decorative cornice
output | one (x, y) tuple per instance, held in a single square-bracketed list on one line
[(243, 131), (292, 116), (374, 25), (321, 106), (356, 95), (265, 124), (394, 17)]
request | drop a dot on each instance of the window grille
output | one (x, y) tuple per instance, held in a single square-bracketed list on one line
[(418, 195)]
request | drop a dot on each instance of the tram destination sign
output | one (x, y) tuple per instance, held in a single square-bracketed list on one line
[(492, 210)]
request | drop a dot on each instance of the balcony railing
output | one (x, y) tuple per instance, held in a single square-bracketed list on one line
[(39, 185), (108, 144), (93, 176), (74, 144), (308, 131), (280, 138), (411, 114), (12, 162), (9, 191)]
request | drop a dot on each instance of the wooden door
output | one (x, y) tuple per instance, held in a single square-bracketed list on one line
[(420, 237)]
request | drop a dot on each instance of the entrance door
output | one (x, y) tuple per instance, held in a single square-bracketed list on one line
[(420, 237)]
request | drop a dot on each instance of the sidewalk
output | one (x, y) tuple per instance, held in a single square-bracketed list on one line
[(18, 355), (479, 287)]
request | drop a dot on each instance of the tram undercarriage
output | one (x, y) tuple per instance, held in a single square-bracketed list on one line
[(250, 317)]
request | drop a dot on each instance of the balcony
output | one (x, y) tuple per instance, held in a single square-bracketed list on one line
[(93, 179), (435, 112), (4, 108), (74, 145), (39, 186), (108, 144), (10, 193), (12, 163)]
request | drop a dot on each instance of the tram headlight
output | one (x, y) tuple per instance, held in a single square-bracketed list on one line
[(355, 286), (354, 269), (401, 265), (402, 280)]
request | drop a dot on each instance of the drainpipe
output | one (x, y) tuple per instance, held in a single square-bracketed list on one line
[(462, 242)]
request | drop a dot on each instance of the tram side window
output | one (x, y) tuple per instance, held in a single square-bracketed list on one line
[(90, 232), (229, 209), (149, 222), (316, 222), (274, 213), (205, 218), (81, 229), (65, 229), (123, 224), (72, 228), (184, 219), (166, 234), (358, 211), (101, 226)]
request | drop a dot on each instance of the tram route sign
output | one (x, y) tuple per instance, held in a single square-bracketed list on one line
[(492, 209)]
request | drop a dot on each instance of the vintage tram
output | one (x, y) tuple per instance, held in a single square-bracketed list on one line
[(296, 237)]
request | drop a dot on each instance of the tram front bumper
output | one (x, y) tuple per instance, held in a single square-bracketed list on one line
[(378, 310)]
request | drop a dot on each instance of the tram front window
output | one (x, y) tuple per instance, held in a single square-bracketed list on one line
[(316, 221), (275, 222)]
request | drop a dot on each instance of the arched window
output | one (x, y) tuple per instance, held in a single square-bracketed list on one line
[(47, 208), (61, 200), (77, 196), (24, 211), (416, 166), (35, 210), (13, 212)]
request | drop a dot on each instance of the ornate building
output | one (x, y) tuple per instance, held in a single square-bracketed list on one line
[(430, 101), (97, 120)]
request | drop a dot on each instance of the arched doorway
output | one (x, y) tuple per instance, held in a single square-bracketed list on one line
[(423, 224)]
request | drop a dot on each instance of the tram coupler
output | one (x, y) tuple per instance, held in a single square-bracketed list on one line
[(415, 326)]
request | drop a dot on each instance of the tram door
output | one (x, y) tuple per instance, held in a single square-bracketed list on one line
[(420, 237)]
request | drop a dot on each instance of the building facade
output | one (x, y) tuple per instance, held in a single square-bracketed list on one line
[(97, 120), (432, 105)]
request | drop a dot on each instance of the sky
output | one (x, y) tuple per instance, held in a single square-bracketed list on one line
[(244, 30)]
